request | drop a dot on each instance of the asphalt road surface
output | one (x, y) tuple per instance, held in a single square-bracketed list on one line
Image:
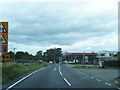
[(59, 76)]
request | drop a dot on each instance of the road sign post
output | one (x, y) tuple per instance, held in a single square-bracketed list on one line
[(3, 37), (4, 40)]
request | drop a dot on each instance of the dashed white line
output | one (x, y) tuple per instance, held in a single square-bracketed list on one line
[(107, 83), (54, 68), (92, 77), (59, 68), (23, 79), (67, 82), (118, 88), (98, 80), (60, 73), (87, 75), (83, 73)]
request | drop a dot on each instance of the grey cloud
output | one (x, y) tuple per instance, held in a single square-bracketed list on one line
[(52, 23)]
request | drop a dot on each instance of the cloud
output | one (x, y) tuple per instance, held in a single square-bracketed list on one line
[(67, 25)]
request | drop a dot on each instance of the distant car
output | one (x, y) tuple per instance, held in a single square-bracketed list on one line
[(50, 61), (59, 62), (40, 60), (65, 62), (71, 62)]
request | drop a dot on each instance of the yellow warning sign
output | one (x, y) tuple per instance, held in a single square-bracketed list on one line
[(3, 37), (6, 57), (3, 27)]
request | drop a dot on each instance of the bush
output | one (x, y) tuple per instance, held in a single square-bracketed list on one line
[(113, 63)]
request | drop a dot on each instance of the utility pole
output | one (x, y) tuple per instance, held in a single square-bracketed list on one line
[(14, 50), (83, 58), (54, 54), (14, 53)]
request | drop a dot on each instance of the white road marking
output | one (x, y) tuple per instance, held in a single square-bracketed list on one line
[(67, 82), (23, 79), (83, 73), (60, 73), (54, 68), (88, 75), (107, 83), (98, 80), (59, 67), (92, 77), (118, 88)]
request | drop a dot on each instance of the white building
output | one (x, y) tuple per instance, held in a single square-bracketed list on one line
[(107, 55)]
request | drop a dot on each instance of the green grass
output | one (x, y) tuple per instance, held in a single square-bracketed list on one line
[(93, 67), (0, 73), (11, 71)]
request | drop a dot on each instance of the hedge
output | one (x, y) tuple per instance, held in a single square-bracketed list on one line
[(113, 63)]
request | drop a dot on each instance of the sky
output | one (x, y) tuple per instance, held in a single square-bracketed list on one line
[(73, 25)]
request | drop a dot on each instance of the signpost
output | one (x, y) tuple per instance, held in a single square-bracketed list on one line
[(4, 41), (3, 37)]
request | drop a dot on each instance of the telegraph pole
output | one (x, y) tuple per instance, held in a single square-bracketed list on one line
[(14, 50), (14, 53), (83, 58)]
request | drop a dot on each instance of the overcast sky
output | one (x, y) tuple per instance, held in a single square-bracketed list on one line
[(87, 25)]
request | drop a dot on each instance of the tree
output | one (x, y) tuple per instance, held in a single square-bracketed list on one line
[(38, 55), (19, 55), (31, 57), (26, 56), (53, 54), (11, 55)]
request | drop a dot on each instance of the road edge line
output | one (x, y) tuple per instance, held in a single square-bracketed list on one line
[(23, 79)]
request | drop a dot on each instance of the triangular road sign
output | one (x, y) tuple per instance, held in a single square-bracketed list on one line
[(2, 29), (2, 39)]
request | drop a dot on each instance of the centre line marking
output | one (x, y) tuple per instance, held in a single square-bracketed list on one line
[(118, 88), (108, 84), (59, 67), (98, 80), (54, 68), (83, 73), (67, 82), (60, 73), (92, 77)]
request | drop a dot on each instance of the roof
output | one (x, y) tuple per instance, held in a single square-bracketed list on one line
[(81, 53)]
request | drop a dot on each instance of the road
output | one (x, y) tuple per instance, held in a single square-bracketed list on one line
[(59, 76)]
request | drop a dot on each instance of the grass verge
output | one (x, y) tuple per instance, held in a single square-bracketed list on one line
[(11, 71), (93, 67), (0, 73)]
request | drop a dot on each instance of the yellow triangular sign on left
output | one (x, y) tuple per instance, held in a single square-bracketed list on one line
[(2, 39), (2, 29)]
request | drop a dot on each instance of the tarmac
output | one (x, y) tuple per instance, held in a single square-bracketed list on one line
[(108, 75)]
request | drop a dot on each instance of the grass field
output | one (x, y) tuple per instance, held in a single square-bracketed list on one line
[(0, 73), (10, 71), (93, 67)]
